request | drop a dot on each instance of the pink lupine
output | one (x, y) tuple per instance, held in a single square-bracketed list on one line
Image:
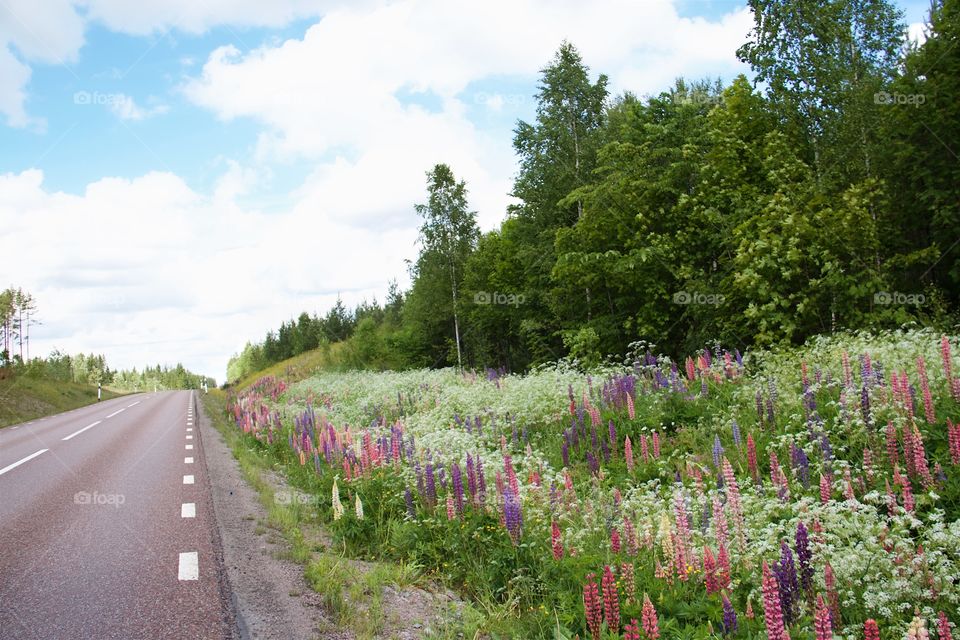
[(833, 597), (953, 438), (723, 568), (848, 493), (909, 450), (719, 522), (825, 489), (710, 572), (683, 534), (868, 463), (631, 410), (892, 450), (556, 541), (772, 612), (943, 625), (752, 459), (631, 630), (651, 627), (611, 600), (451, 510), (633, 547), (749, 610), (945, 357), (774, 468), (592, 607), (733, 500), (629, 582), (870, 630), (821, 621), (628, 453), (928, 408), (656, 444), (907, 489), (615, 540)]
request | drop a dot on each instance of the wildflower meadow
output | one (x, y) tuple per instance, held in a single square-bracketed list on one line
[(797, 493)]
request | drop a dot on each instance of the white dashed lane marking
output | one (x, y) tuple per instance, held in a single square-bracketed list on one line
[(187, 479), (188, 510), (76, 433), (189, 566), (21, 461)]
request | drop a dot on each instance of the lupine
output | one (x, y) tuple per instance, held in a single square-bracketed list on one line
[(892, 451), (651, 627), (358, 508), (772, 613), (821, 621), (337, 505), (628, 453), (723, 568), (870, 630), (825, 489), (631, 535), (513, 519), (457, 480), (451, 508), (629, 582), (928, 408), (752, 459), (804, 558), (408, 498), (918, 629), (733, 499), (833, 598), (631, 630), (611, 600), (656, 444), (943, 627), (591, 606), (555, 541), (717, 451), (615, 540), (729, 617), (644, 449), (736, 433), (953, 438), (786, 574), (719, 522), (710, 572)]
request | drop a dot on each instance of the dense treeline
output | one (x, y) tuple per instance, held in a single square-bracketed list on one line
[(17, 313), (824, 200)]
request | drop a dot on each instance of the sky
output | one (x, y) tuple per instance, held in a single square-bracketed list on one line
[(178, 177)]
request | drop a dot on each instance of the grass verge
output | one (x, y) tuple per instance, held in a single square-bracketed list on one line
[(23, 398), (352, 591)]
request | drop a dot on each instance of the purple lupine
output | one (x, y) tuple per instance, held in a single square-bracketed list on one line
[(457, 481), (703, 387), (605, 450), (759, 399), (736, 433), (408, 498), (717, 451), (471, 476), (612, 436), (825, 448), (729, 617), (565, 453), (421, 487), (593, 463), (801, 463), (786, 574), (481, 497), (771, 417), (430, 484), (804, 558), (512, 517), (865, 405)]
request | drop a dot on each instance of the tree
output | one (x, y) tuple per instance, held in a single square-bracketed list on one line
[(448, 235), (823, 63)]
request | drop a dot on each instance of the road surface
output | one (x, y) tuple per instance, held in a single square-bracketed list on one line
[(107, 529)]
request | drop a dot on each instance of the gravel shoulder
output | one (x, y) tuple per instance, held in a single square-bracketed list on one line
[(271, 596)]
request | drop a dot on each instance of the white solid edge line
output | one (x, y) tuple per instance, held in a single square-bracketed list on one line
[(188, 510), (20, 462), (76, 433), (134, 404), (189, 566), (116, 412), (187, 479), (188, 460)]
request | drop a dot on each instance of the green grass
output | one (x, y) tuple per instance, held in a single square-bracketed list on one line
[(327, 357), (23, 398), (344, 586)]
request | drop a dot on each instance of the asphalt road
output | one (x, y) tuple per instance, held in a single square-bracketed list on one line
[(107, 528)]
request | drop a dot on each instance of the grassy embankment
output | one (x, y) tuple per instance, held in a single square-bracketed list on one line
[(23, 398)]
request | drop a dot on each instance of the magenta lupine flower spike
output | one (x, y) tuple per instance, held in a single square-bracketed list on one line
[(772, 614)]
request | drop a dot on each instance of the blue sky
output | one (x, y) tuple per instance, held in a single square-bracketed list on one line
[(247, 161)]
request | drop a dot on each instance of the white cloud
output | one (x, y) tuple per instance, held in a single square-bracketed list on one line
[(148, 266), (125, 108)]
